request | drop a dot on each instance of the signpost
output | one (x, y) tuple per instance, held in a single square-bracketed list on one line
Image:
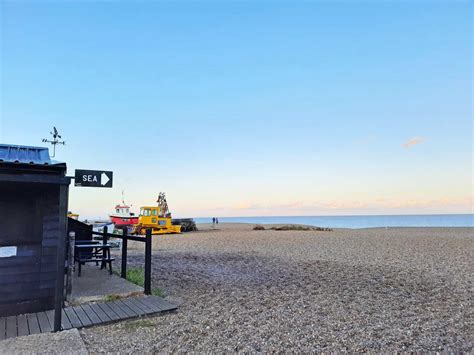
[(93, 178)]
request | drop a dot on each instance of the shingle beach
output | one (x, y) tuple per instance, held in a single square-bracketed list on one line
[(395, 289)]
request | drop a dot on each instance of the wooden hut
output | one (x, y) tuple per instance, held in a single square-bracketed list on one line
[(33, 230)]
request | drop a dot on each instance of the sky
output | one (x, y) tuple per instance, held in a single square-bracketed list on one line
[(239, 108)]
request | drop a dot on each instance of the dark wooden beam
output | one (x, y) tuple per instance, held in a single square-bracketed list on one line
[(148, 245), (35, 178), (123, 273), (59, 294)]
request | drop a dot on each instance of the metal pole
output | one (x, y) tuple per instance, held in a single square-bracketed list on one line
[(148, 262)]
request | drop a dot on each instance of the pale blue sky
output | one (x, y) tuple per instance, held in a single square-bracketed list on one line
[(248, 108)]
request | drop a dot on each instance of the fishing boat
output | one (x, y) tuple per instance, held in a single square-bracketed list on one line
[(122, 215)]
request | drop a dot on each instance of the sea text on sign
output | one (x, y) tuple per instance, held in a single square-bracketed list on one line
[(93, 178), (89, 178)]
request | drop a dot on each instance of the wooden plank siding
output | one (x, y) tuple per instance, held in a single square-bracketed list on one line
[(50, 241), (31, 219)]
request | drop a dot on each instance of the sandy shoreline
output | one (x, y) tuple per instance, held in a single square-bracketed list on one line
[(357, 290)]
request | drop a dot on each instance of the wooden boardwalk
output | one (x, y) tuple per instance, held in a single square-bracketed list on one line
[(85, 315)]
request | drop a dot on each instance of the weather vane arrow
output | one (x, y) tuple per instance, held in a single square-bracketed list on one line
[(55, 141)]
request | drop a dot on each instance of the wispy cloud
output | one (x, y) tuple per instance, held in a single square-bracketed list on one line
[(412, 142)]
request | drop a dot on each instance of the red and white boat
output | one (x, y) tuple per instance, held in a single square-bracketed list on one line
[(123, 216)]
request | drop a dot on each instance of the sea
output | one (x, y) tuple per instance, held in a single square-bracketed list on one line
[(372, 221)]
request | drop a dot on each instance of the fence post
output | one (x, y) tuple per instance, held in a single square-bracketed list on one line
[(148, 262), (123, 273), (104, 235), (104, 242)]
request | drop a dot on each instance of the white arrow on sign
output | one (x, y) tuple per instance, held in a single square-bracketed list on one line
[(104, 179)]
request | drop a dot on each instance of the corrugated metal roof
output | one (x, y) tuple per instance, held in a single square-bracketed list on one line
[(25, 155)]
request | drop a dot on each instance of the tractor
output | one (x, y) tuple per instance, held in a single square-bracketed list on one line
[(157, 218)]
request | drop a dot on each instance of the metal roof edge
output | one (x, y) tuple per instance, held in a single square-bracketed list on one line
[(26, 155)]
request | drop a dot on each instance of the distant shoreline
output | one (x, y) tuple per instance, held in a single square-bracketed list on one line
[(242, 225), (356, 222), (349, 215)]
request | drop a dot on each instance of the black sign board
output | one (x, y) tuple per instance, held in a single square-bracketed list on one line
[(93, 178)]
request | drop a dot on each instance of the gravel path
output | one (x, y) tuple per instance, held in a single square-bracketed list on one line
[(348, 290), (65, 342)]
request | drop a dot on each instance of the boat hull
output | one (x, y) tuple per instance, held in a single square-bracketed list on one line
[(123, 221)]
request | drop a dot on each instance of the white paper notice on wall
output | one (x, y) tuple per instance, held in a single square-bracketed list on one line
[(6, 252)]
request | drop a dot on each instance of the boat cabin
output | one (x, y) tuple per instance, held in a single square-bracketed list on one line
[(123, 209)]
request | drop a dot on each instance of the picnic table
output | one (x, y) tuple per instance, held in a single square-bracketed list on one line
[(93, 251)]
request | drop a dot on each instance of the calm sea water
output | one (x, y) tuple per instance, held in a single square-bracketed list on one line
[(445, 220)]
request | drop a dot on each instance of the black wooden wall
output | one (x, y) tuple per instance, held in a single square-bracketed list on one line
[(83, 231), (29, 220)]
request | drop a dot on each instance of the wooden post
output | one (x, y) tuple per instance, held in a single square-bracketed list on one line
[(104, 235), (104, 241), (61, 251), (70, 268), (124, 254), (148, 262)]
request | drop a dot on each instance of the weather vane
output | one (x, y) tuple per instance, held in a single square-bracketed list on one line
[(56, 140)]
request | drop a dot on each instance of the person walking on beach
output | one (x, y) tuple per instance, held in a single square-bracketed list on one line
[(217, 221), (213, 221)]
